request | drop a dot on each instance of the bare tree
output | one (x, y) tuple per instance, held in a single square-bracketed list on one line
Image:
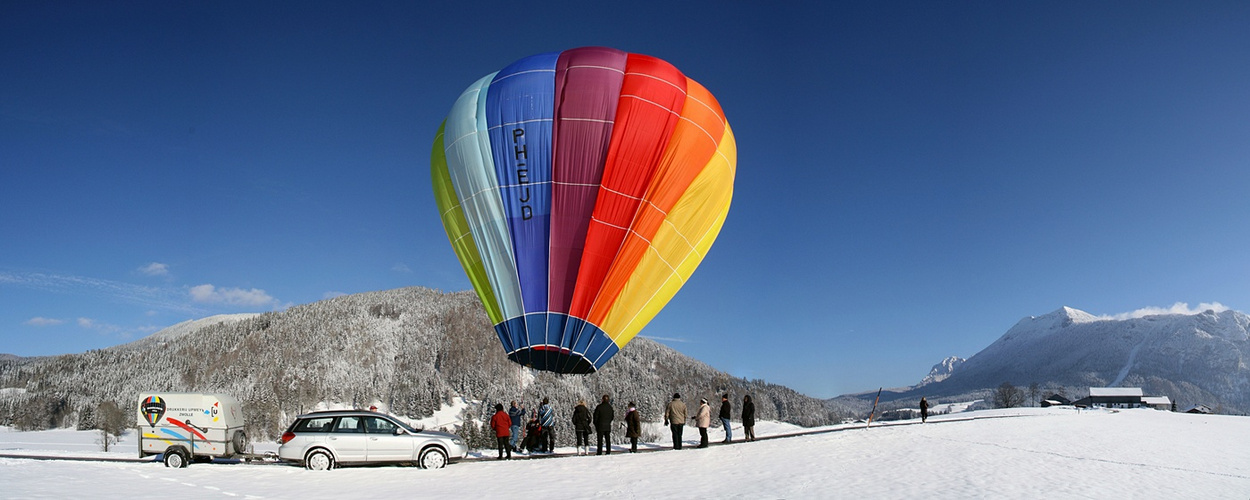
[(1034, 392), (1008, 396), (111, 421)]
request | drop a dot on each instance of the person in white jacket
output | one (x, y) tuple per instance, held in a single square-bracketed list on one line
[(702, 419)]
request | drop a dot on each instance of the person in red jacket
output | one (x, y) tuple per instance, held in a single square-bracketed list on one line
[(502, 424)]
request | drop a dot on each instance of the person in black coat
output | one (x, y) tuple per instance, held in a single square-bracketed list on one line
[(581, 426), (748, 417), (603, 426)]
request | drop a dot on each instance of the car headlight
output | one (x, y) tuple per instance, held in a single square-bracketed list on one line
[(458, 441)]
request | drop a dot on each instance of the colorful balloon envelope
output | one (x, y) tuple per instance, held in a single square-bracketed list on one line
[(580, 190)]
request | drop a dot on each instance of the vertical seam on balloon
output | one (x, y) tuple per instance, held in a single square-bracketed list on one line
[(685, 95), (692, 249), (473, 197)]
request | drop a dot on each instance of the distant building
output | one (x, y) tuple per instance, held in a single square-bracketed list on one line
[(1055, 400), (1157, 402), (1203, 409), (1122, 397)]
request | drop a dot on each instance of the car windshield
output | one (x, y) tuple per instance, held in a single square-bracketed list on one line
[(407, 427)]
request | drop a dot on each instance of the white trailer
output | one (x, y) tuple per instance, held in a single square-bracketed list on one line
[(190, 426)]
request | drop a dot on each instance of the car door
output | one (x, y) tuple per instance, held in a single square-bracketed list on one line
[(384, 445), (349, 440)]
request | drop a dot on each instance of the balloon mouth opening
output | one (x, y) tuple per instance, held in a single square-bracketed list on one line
[(556, 342), (553, 359)]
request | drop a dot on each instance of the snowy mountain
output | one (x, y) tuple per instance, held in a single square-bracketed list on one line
[(1193, 359), (942, 370), (410, 351), (187, 327)]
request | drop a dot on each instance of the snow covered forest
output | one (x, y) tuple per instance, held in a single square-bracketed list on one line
[(410, 350)]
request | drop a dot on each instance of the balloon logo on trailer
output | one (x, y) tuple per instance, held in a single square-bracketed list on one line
[(580, 190), (153, 409)]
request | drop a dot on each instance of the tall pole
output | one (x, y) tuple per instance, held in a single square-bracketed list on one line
[(874, 407)]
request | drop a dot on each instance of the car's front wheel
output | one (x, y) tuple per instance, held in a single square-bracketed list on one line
[(432, 458), (319, 460)]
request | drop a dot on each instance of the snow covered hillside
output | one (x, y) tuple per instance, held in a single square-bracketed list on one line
[(410, 351), (1018, 453)]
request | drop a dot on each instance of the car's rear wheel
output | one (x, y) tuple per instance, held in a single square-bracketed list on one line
[(432, 458), (319, 460)]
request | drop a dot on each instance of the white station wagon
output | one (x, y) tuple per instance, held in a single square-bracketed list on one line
[(324, 440)]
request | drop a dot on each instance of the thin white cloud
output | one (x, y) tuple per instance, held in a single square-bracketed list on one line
[(155, 269), (666, 339), (209, 294), (42, 321), (165, 298), (1177, 308), (106, 328), (401, 268)]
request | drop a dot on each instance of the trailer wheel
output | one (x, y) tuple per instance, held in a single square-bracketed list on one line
[(176, 457), (240, 442), (319, 459), (432, 458)]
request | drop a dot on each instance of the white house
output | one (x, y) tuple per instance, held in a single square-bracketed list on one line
[(1122, 397), (1157, 402)]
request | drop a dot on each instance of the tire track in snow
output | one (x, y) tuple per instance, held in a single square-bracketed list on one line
[(213, 489), (1090, 459)]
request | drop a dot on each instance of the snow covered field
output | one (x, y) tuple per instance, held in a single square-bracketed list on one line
[(1032, 453)]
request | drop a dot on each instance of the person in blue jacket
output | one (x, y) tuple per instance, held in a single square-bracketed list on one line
[(517, 414), (547, 418)]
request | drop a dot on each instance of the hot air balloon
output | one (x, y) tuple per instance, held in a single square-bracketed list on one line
[(580, 190)]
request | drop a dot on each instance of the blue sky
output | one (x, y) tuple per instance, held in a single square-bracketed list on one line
[(913, 177)]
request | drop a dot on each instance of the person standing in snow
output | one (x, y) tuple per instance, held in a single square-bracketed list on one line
[(924, 409), (748, 417), (702, 419), (547, 419), (517, 414), (502, 423), (581, 427), (603, 426), (633, 427), (726, 409), (675, 416)]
